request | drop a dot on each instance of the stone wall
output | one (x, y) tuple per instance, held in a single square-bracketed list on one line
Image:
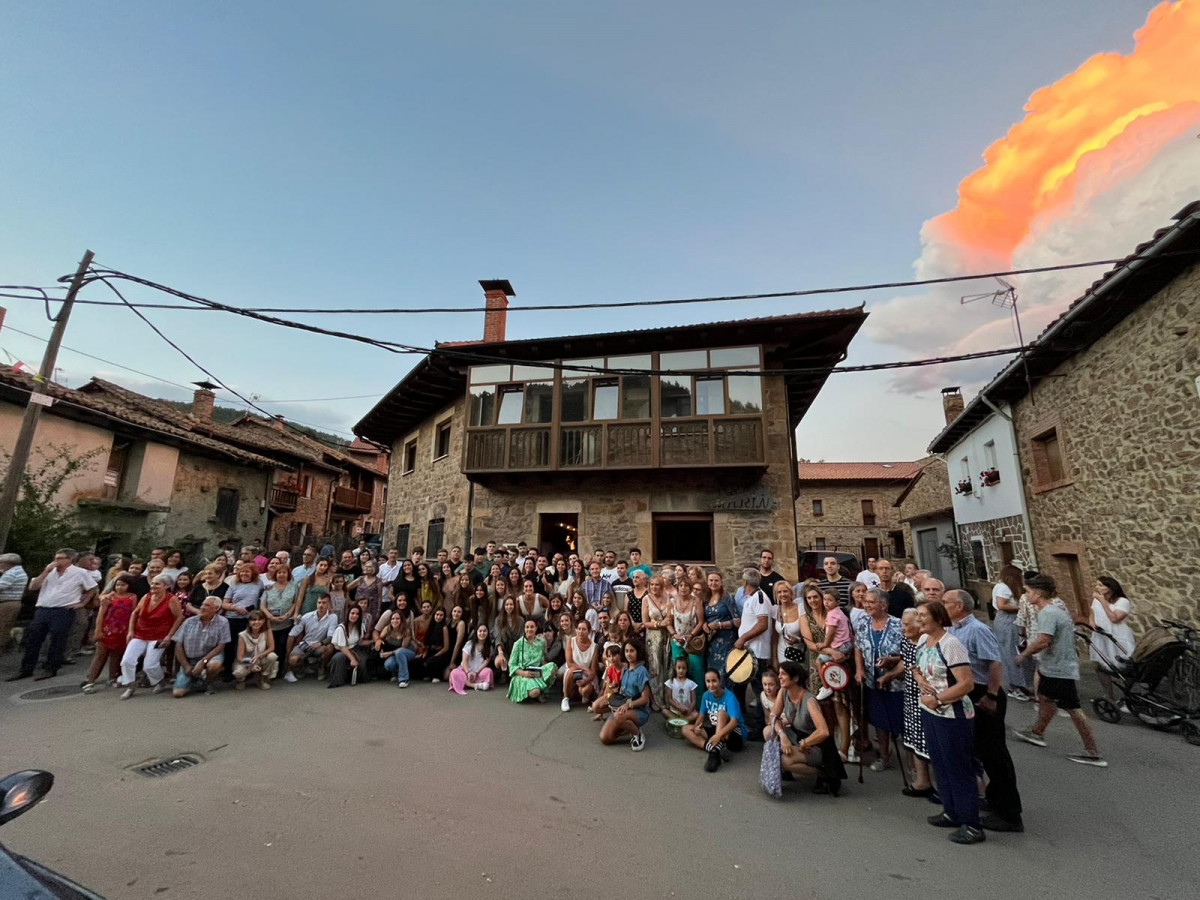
[(1128, 420), (929, 495), (993, 532), (198, 479), (842, 523), (312, 510)]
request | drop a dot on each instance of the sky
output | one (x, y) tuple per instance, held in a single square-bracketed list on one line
[(307, 154)]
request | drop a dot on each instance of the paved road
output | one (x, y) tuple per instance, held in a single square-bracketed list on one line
[(310, 793)]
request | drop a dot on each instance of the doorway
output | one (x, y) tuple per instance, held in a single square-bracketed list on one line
[(927, 544), (870, 549), (558, 533)]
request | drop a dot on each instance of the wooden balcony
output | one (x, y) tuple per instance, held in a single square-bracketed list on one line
[(282, 499), (351, 500), (709, 441)]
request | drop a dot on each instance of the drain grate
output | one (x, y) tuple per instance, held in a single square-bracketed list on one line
[(169, 766)]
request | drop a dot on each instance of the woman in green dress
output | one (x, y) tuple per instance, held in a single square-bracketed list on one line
[(315, 586), (529, 671)]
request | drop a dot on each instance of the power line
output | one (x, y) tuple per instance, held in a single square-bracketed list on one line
[(553, 307), (186, 387), (469, 356)]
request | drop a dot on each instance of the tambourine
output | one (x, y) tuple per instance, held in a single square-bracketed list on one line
[(740, 666), (674, 728), (835, 676)]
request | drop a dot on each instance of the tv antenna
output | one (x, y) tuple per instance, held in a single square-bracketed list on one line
[(1005, 298)]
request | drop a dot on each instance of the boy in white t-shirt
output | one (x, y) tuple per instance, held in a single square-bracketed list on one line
[(679, 701)]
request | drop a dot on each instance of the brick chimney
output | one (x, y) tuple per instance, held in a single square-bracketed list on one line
[(277, 423), (952, 403), (495, 295), (203, 401)]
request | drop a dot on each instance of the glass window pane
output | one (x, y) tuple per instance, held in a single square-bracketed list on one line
[(710, 396), (539, 402), (489, 374), (743, 357), (745, 394), (510, 406), (684, 359), (641, 361), (574, 401), (675, 396), (531, 373), (567, 373), (483, 405), (635, 397), (604, 400)]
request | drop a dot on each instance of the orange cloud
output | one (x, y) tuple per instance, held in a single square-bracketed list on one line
[(1032, 170)]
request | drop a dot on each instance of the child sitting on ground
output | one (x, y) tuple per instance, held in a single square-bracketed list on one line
[(612, 680), (679, 694)]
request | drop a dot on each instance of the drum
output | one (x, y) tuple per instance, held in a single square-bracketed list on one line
[(674, 728), (740, 666), (835, 676)]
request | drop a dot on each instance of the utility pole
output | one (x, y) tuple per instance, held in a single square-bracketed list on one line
[(33, 409)]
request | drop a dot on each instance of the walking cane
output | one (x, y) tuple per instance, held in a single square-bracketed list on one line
[(862, 726)]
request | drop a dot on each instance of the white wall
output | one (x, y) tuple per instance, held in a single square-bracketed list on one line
[(1004, 499)]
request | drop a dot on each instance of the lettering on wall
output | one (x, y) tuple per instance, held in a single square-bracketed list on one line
[(757, 498)]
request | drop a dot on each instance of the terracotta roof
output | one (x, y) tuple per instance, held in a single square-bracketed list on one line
[(1114, 296), (858, 471), (265, 440), (338, 455), (122, 409)]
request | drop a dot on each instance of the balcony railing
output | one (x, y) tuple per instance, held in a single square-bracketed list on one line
[(352, 499), (695, 442), (283, 499)]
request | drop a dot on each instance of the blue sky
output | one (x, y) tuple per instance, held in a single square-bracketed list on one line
[(311, 154)]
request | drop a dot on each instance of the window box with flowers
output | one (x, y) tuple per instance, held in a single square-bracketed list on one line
[(964, 487), (989, 477)]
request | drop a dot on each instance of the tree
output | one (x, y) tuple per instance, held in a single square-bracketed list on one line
[(40, 524)]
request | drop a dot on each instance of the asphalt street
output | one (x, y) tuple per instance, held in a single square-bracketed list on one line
[(306, 792)]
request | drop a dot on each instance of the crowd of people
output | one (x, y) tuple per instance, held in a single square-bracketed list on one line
[(807, 669)]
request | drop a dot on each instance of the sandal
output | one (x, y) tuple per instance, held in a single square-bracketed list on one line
[(917, 792)]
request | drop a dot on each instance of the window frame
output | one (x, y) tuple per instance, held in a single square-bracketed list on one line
[(869, 519), (408, 458), (442, 428), (431, 546), (402, 547), (229, 521), (1039, 460), (818, 508), (657, 519)]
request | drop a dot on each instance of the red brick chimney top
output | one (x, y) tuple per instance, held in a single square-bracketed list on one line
[(495, 320), (203, 400)]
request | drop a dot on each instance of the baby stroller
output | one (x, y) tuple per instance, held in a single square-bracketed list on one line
[(1159, 683)]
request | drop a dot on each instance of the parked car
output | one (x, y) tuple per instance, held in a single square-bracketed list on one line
[(812, 564), (19, 875)]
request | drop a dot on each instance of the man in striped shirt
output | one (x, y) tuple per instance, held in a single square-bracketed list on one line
[(833, 580)]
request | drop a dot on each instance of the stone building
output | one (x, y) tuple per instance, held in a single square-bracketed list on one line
[(316, 492), (1108, 439), (850, 507), (143, 480), (677, 440)]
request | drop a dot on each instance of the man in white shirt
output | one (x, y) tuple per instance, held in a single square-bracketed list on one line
[(867, 576), (754, 634), (13, 581), (311, 638), (63, 587), (390, 568), (609, 571)]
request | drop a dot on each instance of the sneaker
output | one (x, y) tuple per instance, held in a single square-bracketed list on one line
[(209, 690), (824, 694), (290, 678), (89, 687), (852, 756), (1098, 761), (638, 743), (995, 823), (127, 693), (941, 820), (19, 676), (713, 762), (724, 751), (265, 684), (112, 683), (321, 676), (483, 687), (435, 681), (878, 766), (968, 834), (565, 706), (1019, 695), (401, 684), (1029, 737), (161, 686)]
